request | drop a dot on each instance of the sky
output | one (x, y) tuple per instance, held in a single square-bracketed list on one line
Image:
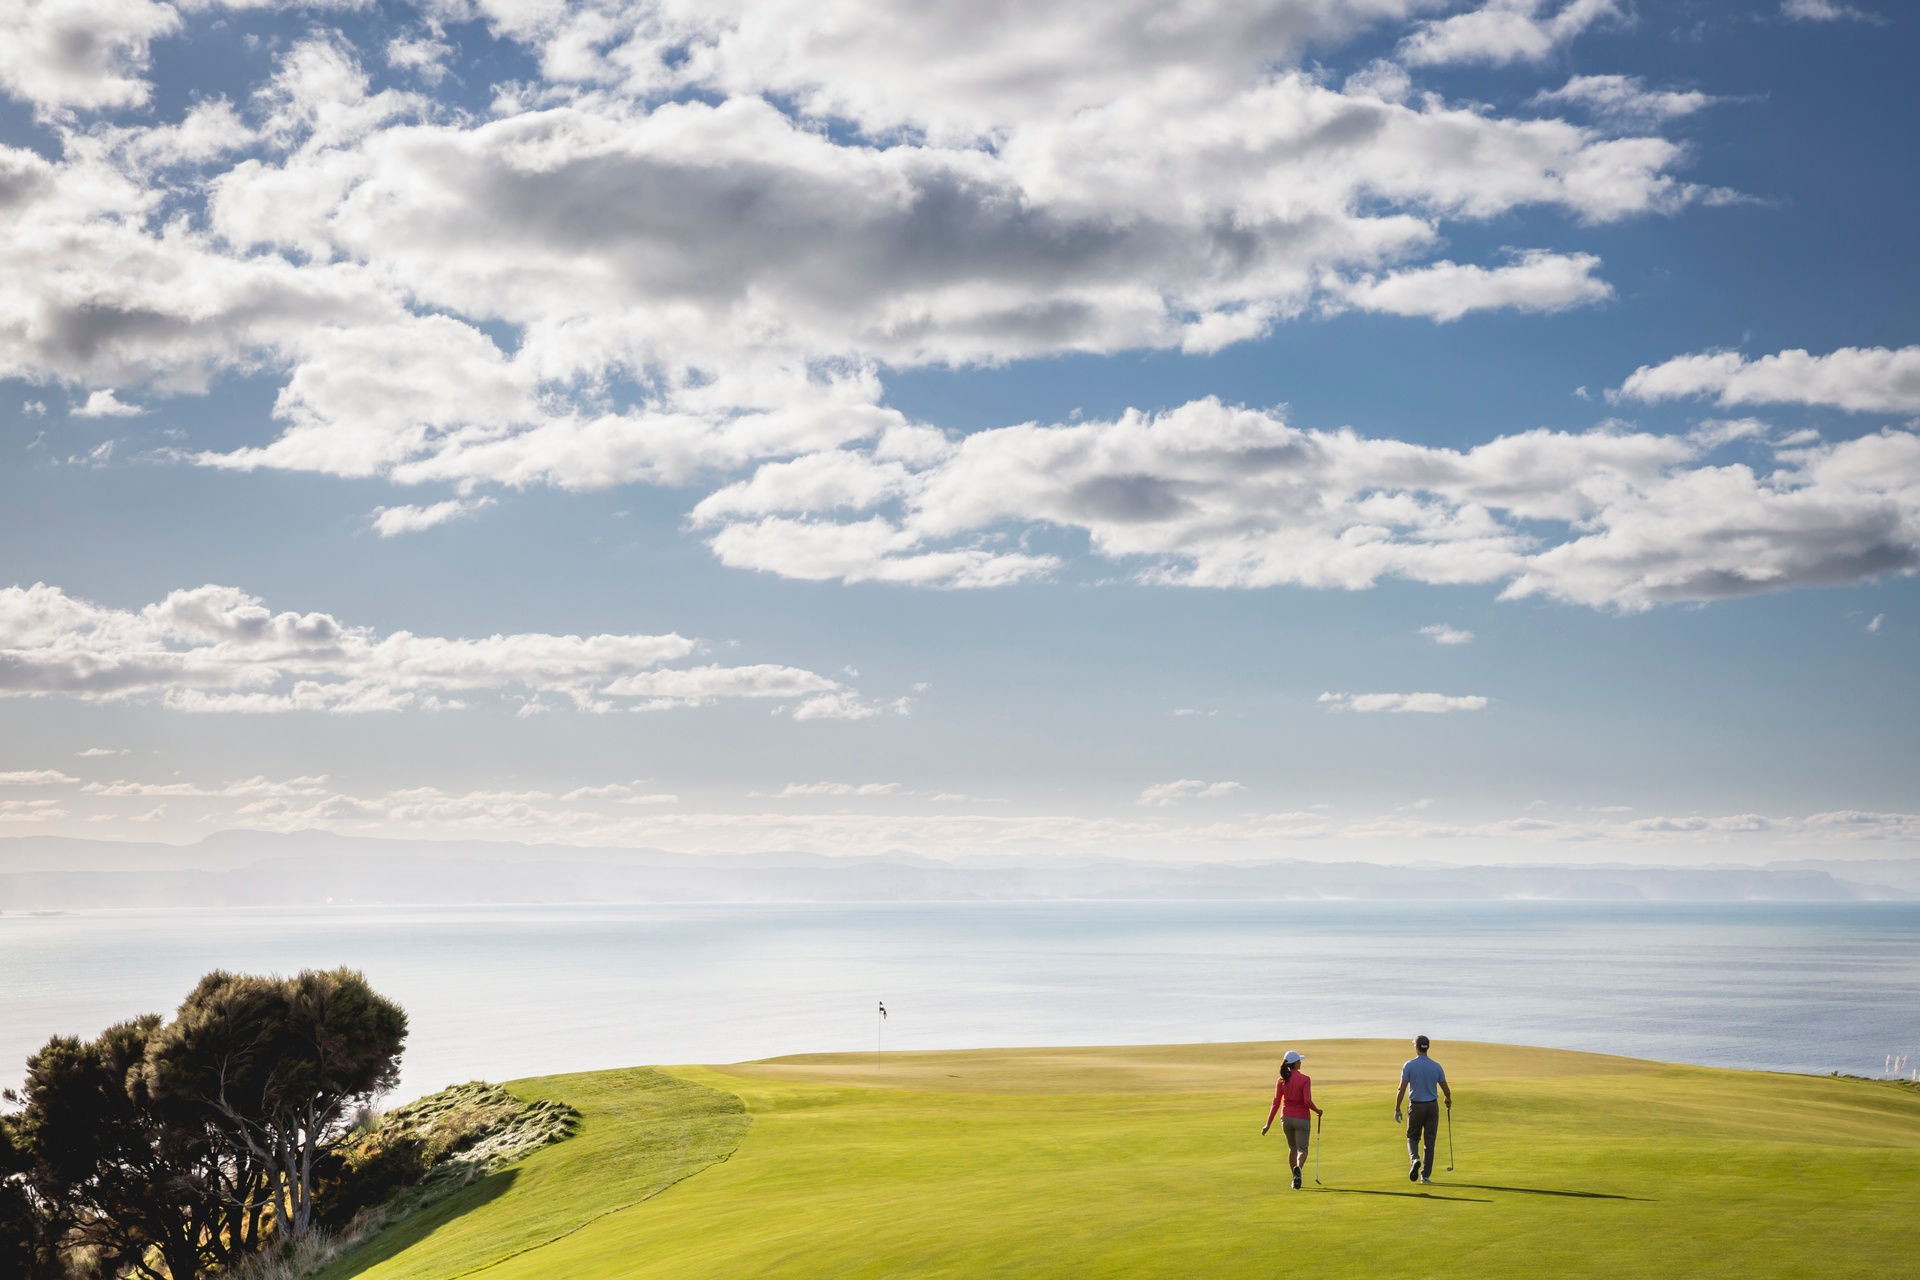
[(1389, 429)]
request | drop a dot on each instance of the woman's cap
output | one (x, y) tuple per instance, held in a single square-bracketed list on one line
[(1293, 1055)]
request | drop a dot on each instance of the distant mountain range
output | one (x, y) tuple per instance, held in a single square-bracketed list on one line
[(311, 868)]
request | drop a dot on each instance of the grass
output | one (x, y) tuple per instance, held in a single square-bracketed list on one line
[(1133, 1162)]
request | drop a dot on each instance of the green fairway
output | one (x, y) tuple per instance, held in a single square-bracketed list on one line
[(1149, 1162)]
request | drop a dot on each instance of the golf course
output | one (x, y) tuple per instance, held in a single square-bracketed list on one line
[(1148, 1161)]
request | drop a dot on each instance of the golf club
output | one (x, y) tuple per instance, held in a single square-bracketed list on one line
[(1320, 1131), (1449, 1137)]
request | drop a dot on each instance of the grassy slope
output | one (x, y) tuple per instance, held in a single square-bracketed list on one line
[(641, 1132), (1148, 1162)]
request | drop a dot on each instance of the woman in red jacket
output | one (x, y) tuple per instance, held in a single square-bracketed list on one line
[(1293, 1102)]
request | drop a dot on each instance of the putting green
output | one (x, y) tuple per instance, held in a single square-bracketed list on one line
[(1148, 1162)]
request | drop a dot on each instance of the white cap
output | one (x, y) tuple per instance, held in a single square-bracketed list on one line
[(1292, 1056)]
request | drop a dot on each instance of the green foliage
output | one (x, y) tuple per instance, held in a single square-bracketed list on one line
[(278, 1064), (443, 1140), (156, 1149)]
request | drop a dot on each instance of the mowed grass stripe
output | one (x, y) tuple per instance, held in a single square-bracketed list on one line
[(641, 1131), (1148, 1162)]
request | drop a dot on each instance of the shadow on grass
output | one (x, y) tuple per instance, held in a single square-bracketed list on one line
[(1406, 1195), (415, 1227), (1542, 1191)]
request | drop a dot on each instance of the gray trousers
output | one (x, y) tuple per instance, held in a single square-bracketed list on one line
[(1422, 1118)]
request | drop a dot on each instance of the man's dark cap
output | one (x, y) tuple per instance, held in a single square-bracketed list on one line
[(1421, 1042)]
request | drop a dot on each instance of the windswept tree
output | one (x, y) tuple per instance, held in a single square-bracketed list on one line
[(29, 1236), (109, 1173), (279, 1065)]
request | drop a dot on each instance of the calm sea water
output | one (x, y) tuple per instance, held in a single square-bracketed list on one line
[(503, 992)]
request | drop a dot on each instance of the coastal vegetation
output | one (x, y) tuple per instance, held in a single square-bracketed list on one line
[(185, 1147), (1136, 1161)]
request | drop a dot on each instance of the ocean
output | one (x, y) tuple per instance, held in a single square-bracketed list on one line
[(499, 992)]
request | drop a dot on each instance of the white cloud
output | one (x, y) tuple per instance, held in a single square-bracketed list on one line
[(1441, 633), (1825, 11), (80, 54), (1429, 703), (1209, 495), (1060, 178), (34, 778), (218, 649), (104, 751), (1534, 281), (1857, 379), (390, 522), (423, 55), (1623, 98), (30, 811), (104, 404), (793, 789), (1874, 625), (248, 787), (1166, 793), (1505, 31)]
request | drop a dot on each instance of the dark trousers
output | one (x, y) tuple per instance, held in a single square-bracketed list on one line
[(1423, 1118)]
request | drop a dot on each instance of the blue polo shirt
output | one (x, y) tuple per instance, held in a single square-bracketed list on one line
[(1424, 1075)]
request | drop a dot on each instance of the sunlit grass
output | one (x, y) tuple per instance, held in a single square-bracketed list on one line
[(1148, 1162)]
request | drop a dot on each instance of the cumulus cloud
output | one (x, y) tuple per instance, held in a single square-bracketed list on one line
[(1166, 793), (1857, 379), (80, 54), (1623, 98), (34, 778), (391, 522), (104, 404), (996, 184), (1501, 32), (1428, 703), (1441, 633), (1215, 496), (216, 648), (1534, 281)]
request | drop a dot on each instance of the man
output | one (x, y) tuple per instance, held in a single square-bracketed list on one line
[(1428, 1081)]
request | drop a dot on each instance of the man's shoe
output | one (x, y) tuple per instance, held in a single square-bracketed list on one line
[(1424, 1180), (1296, 1179), (1413, 1174)]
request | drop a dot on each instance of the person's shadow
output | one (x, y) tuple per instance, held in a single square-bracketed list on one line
[(1542, 1191), (1409, 1195)]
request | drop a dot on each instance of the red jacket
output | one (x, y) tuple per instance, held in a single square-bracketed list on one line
[(1295, 1093)]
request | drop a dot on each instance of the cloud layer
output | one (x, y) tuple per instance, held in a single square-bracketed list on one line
[(1216, 496), (217, 649), (699, 237)]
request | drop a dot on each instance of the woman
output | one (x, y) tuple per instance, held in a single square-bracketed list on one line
[(1295, 1094)]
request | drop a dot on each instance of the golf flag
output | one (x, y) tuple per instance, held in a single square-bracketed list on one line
[(883, 1008)]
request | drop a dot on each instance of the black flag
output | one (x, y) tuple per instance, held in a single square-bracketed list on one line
[(883, 1008)]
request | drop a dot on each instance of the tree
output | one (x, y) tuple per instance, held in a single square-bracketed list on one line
[(113, 1176), (279, 1065), (28, 1236)]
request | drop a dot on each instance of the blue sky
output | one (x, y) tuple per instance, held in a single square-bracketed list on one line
[(1315, 428)]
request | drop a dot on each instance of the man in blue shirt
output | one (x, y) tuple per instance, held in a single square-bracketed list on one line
[(1428, 1081)]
